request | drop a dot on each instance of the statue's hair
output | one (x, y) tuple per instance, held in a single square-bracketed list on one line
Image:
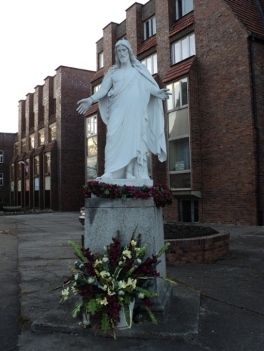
[(132, 57), (134, 61)]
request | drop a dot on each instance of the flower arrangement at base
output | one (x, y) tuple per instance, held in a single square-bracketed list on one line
[(111, 281), (161, 194)]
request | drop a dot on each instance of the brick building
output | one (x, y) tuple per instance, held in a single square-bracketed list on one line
[(47, 168), (210, 54), (6, 153)]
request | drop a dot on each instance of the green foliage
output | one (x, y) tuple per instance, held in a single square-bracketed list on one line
[(105, 323), (129, 319), (78, 250), (92, 306), (77, 308), (105, 283), (151, 315)]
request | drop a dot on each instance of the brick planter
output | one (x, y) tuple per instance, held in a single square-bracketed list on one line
[(202, 249)]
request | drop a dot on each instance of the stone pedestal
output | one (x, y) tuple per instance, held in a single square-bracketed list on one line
[(104, 217)]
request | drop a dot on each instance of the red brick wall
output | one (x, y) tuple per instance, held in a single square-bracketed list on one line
[(258, 106), (198, 250), (6, 145), (72, 85), (226, 121), (222, 132)]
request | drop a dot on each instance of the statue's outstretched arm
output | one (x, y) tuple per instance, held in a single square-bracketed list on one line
[(84, 104), (163, 94)]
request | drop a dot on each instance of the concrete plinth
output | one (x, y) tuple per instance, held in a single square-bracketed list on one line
[(104, 217)]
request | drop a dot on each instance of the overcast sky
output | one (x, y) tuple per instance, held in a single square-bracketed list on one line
[(39, 36)]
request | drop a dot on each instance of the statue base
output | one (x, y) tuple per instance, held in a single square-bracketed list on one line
[(105, 217)]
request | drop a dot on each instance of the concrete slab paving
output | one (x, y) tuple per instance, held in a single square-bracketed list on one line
[(231, 314)]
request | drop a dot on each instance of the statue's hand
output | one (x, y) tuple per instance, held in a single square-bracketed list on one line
[(84, 104), (164, 94)]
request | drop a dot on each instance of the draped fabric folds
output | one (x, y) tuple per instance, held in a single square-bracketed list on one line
[(135, 121)]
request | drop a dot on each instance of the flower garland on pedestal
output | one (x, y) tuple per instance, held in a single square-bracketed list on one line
[(161, 194)]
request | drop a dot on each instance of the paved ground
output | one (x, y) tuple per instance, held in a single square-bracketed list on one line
[(231, 309), (9, 287)]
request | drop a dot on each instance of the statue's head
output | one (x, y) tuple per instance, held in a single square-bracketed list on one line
[(124, 43)]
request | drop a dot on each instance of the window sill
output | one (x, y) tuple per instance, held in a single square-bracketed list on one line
[(180, 172), (187, 193)]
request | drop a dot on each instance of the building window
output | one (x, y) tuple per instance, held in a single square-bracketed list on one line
[(183, 48), (19, 170), (100, 60), (96, 88), (52, 102), (16, 149), (151, 63), (149, 28), (12, 171), (91, 126), (91, 152), (1, 179), (183, 7), (41, 137), (188, 211), (36, 166), (47, 159), (1, 156), (178, 134), (52, 132), (31, 141), (23, 146)]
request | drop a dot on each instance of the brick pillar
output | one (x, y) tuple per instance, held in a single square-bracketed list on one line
[(134, 26), (109, 41)]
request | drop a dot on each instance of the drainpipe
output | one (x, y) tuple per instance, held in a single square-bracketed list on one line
[(252, 39)]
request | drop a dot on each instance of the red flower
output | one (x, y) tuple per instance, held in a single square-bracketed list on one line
[(114, 251)]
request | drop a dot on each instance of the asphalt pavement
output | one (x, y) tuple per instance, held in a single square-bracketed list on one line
[(215, 307)]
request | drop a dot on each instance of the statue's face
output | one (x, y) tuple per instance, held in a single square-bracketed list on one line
[(122, 53)]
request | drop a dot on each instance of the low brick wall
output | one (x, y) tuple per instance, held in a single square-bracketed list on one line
[(202, 249)]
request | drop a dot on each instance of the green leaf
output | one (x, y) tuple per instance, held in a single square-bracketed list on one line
[(78, 251), (163, 249), (92, 306), (168, 280), (141, 252), (77, 308), (105, 325), (129, 319), (127, 315), (151, 315), (146, 292), (133, 234)]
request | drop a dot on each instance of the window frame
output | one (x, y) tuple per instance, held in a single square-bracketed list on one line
[(178, 48), (151, 62), (52, 131), (91, 133), (36, 166), (1, 179), (150, 27), (100, 60), (31, 141), (1, 156), (47, 163), (181, 107), (41, 137), (24, 145), (180, 8), (96, 88)]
